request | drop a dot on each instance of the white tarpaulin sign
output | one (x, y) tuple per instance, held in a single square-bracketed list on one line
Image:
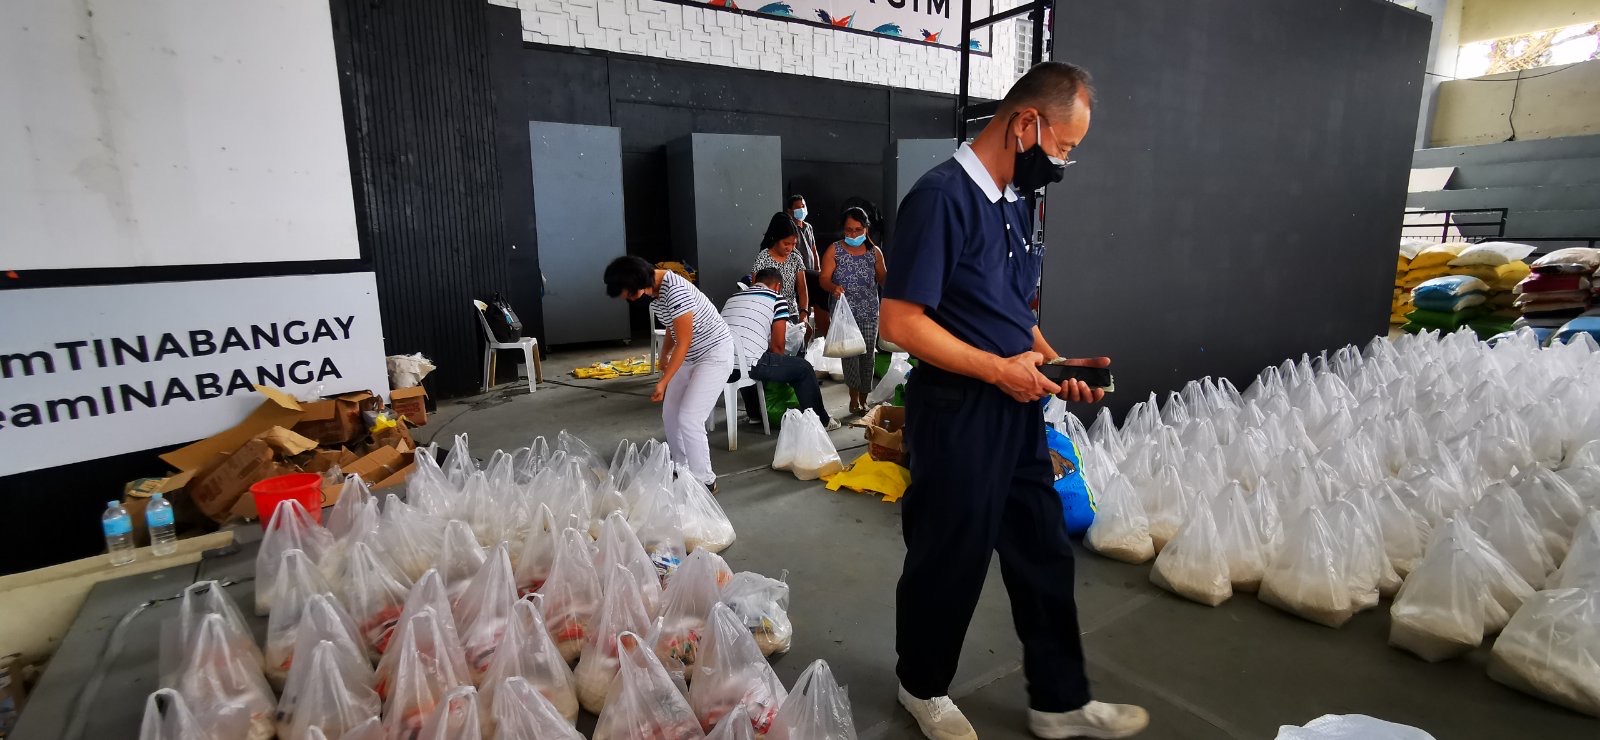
[(94, 371), (928, 21), (171, 132)]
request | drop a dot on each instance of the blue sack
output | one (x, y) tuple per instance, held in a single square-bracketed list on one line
[(1589, 323), (1077, 500), (1450, 294)]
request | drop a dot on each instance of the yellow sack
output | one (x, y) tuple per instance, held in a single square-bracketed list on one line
[(1438, 254), (613, 369), (1418, 276), (1508, 275), (867, 475), (1401, 263)]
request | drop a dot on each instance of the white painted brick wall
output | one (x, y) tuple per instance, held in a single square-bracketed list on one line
[(691, 34)]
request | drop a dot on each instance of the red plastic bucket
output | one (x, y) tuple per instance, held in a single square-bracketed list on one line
[(303, 487)]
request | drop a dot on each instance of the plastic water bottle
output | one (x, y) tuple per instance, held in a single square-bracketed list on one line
[(119, 533), (158, 519)]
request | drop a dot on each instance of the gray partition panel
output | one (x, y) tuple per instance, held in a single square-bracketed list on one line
[(1238, 198), (724, 189), (906, 161), (577, 195)]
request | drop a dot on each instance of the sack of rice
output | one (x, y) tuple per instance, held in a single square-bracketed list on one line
[(1307, 577), (1582, 566), (1450, 294), (1569, 261), (1240, 534), (1502, 519), (1551, 649), (1438, 255), (1192, 564), (1439, 612), (1492, 254), (1121, 529)]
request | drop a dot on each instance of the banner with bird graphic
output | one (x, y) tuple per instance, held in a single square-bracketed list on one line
[(926, 21)]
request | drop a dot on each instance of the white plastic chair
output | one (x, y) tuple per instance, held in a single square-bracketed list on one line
[(657, 337), (730, 401), (491, 351)]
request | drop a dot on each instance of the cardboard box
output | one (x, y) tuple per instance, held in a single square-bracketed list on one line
[(398, 436), (286, 443), (410, 403), (217, 493), (278, 410), (399, 478), (885, 432), (383, 462), (337, 420), (322, 461), (278, 438)]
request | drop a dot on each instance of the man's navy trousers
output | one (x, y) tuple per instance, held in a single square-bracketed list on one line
[(981, 482)]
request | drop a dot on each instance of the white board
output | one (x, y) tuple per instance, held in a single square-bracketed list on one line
[(95, 371), (170, 132)]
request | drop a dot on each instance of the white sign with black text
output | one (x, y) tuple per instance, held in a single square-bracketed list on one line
[(89, 372)]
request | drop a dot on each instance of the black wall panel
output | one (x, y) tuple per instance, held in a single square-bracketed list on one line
[(1238, 196), (834, 133), (421, 98), (524, 286), (563, 86)]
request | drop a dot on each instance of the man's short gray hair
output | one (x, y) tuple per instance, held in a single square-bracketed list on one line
[(1050, 86)]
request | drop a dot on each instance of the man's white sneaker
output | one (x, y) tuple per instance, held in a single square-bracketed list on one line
[(1096, 719), (938, 717), (834, 425)]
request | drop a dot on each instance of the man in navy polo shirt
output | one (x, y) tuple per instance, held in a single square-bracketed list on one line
[(962, 279)]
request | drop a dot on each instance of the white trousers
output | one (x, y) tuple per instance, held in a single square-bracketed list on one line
[(691, 397)]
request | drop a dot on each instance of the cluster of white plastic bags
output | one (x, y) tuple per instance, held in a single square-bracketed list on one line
[(1456, 477), (804, 447), (460, 611)]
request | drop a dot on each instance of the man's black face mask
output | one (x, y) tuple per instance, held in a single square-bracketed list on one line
[(1035, 169)]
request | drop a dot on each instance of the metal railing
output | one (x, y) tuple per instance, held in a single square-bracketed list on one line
[(1457, 225), (1481, 224)]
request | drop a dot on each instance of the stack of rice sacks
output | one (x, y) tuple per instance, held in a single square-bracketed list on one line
[(1501, 266), (1400, 303), (1467, 285), (1446, 304), (1556, 298), (1424, 262)]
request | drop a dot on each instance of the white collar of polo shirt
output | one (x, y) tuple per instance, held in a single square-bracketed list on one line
[(969, 161)]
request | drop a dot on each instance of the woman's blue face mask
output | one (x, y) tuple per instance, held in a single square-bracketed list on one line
[(856, 241)]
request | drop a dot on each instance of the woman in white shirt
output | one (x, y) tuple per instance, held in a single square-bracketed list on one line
[(697, 356)]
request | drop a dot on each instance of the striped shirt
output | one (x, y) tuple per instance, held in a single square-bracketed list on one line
[(677, 297), (790, 269), (750, 316)]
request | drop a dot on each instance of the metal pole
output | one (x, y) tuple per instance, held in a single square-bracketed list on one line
[(1039, 16), (966, 66)]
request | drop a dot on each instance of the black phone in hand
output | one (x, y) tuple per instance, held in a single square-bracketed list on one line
[(1094, 377)]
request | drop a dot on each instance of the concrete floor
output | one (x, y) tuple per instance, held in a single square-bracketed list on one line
[(1236, 671)]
